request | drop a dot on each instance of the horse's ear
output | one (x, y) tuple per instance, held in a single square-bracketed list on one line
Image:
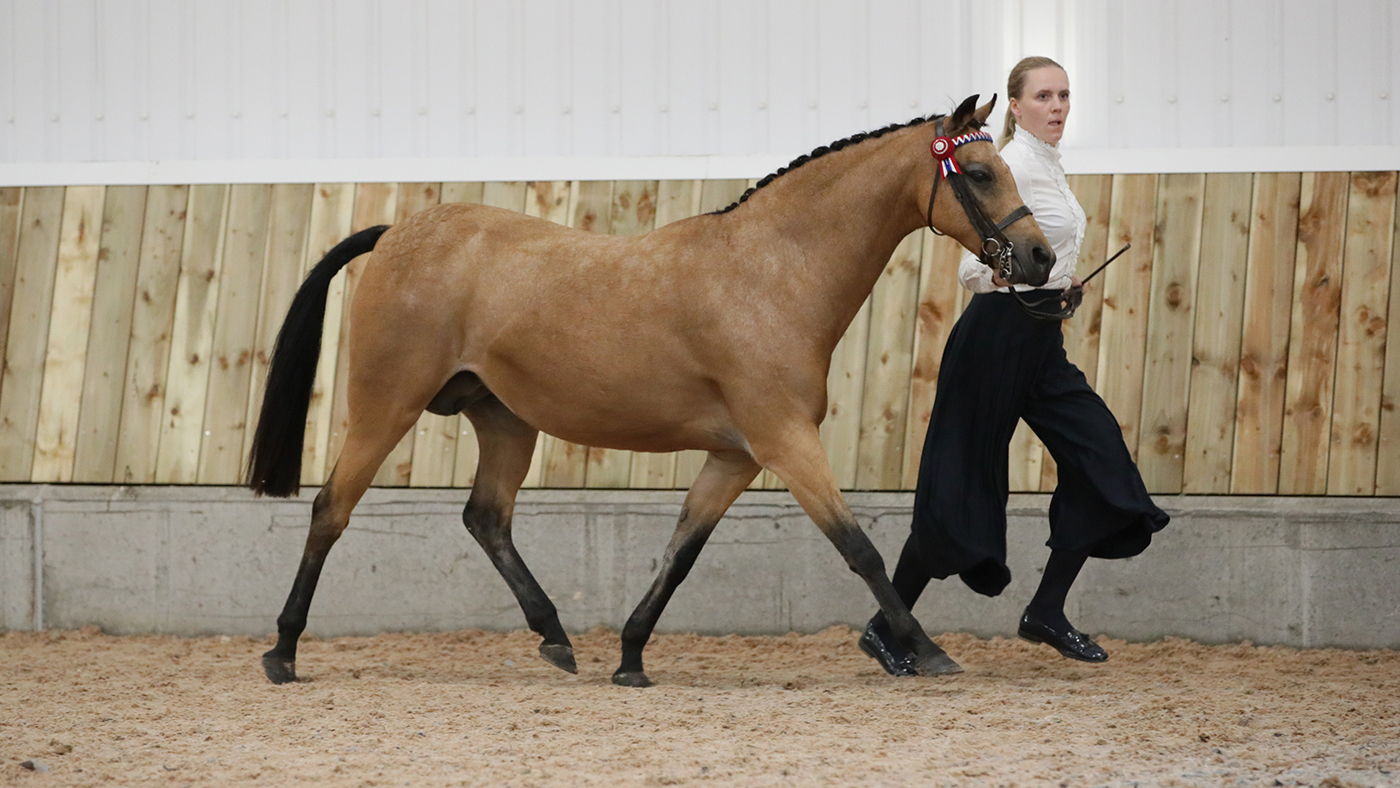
[(964, 116), (985, 111)]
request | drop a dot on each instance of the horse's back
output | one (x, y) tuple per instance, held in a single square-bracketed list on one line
[(542, 313)]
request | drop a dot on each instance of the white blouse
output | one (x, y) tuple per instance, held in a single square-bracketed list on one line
[(1040, 179)]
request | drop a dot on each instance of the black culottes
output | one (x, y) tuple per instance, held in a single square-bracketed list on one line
[(1001, 365)]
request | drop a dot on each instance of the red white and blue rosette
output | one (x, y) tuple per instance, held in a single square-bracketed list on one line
[(943, 147)]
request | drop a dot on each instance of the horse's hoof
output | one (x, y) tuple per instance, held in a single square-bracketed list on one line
[(939, 664), (279, 670), (560, 656), (634, 678)]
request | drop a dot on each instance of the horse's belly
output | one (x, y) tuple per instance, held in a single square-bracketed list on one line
[(637, 416)]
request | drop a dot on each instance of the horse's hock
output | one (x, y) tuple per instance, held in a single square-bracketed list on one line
[(1306, 572)]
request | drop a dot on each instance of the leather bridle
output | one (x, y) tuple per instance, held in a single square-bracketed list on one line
[(996, 247)]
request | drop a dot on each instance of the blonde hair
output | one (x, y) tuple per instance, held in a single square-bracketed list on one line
[(1015, 83)]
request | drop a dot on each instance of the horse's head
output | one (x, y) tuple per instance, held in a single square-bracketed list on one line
[(974, 198)]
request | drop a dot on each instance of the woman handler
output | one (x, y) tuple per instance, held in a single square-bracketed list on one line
[(1001, 365)]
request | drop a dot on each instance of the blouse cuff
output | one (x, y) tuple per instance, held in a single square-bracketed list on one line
[(976, 276)]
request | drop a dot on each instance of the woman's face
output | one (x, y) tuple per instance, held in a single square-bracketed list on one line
[(1043, 104)]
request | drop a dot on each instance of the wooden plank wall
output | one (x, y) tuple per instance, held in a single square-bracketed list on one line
[(1245, 343)]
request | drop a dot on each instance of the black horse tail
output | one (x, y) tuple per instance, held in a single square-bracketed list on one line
[(274, 463)]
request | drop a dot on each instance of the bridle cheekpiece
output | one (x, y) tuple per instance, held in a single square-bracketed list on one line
[(996, 247)]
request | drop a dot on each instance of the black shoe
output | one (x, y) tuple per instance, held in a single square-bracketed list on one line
[(894, 658), (1069, 642)]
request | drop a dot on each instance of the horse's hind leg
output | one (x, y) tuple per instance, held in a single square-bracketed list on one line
[(366, 446), (507, 444), (720, 481)]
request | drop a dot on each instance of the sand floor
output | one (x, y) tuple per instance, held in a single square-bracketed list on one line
[(480, 708)]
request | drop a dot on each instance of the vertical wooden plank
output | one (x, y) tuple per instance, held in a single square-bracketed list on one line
[(1095, 194), (1268, 309), (633, 212), (465, 449), (566, 464), (633, 209), (11, 198), (1126, 295), (1082, 332), (114, 301), (1176, 252), (192, 340), (397, 468), (845, 387), (235, 331), (675, 200), (55, 439), (332, 212), (27, 340), (1312, 343), (1360, 372), (152, 326), (462, 191), (938, 309), (1220, 285), (1388, 442), (712, 195), (374, 205), (283, 262), (884, 414)]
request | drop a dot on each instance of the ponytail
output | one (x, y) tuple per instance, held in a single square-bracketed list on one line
[(1008, 128)]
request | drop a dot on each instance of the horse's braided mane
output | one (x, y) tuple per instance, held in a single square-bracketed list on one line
[(822, 151)]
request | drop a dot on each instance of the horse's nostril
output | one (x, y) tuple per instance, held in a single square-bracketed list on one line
[(1042, 254)]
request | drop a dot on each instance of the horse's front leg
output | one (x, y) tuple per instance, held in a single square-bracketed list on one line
[(720, 481), (797, 457)]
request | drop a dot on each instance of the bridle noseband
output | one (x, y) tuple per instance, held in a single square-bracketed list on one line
[(996, 248)]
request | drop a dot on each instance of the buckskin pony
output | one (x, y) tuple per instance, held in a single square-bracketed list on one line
[(711, 333)]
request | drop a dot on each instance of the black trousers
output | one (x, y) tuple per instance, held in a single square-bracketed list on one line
[(1001, 365)]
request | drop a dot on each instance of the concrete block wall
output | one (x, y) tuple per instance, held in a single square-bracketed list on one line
[(1304, 572)]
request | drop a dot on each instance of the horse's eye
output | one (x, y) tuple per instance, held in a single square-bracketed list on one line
[(980, 175)]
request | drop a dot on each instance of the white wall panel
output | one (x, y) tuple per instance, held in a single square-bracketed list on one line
[(144, 80)]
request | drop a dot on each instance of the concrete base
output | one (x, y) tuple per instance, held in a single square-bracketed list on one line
[(1305, 572)]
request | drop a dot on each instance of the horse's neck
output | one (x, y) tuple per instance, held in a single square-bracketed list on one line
[(843, 214)]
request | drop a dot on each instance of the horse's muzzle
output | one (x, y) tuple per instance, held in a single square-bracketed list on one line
[(1031, 264)]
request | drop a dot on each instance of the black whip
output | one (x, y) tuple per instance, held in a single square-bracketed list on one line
[(1068, 300)]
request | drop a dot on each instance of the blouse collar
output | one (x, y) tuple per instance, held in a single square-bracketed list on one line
[(1040, 147)]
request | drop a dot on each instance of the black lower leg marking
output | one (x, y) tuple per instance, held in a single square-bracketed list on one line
[(680, 557), (865, 560), (491, 529), (279, 663)]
